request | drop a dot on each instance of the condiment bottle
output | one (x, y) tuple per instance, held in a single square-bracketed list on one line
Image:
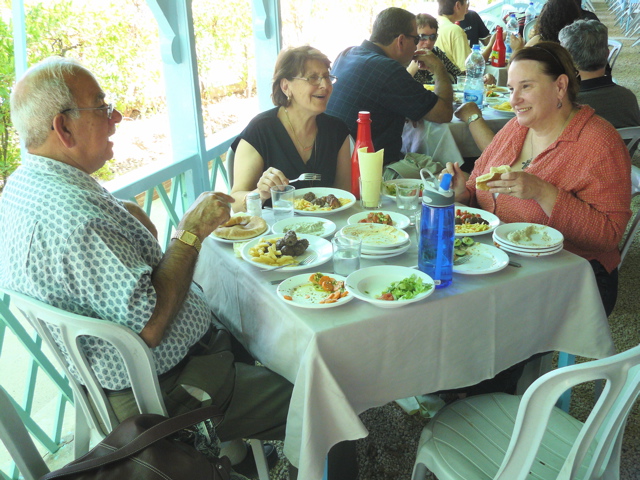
[(363, 139), (254, 204), (437, 230), (499, 50)]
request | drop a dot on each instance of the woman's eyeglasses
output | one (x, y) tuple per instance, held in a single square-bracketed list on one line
[(316, 80), (424, 37)]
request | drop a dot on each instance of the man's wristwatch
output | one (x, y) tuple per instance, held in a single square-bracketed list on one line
[(473, 118), (187, 238)]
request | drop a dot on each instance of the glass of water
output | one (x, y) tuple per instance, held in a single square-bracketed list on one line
[(282, 198), (407, 197), (346, 254)]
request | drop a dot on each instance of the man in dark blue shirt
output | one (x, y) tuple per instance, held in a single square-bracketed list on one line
[(373, 77)]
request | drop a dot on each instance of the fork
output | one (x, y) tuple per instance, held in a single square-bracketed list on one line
[(307, 177), (462, 260), (306, 261)]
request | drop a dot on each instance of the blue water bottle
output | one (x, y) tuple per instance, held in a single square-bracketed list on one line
[(437, 230)]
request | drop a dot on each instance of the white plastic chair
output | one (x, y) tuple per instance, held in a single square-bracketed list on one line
[(15, 437), (528, 29), (228, 164), (505, 437), (614, 50), (136, 356)]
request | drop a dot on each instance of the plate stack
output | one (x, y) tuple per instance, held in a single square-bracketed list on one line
[(379, 241), (528, 239)]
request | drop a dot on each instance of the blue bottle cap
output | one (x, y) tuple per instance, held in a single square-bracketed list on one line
[(445, 183)]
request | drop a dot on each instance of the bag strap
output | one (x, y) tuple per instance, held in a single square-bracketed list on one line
[(142, 441)]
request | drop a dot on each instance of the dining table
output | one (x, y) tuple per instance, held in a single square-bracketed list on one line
[(350, 358), (449, 142)]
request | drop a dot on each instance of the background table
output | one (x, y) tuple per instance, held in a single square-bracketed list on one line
[(448, 142), (348, 359)]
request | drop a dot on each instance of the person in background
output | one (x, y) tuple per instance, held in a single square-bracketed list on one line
[(295, 137), (428, 33), (477, 32), (451, 38), (587, 42), (586, 14), (555, 15), (373, 77), (561, 156)]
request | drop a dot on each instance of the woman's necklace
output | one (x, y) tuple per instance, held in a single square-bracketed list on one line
[(304, 148), (528, 161)]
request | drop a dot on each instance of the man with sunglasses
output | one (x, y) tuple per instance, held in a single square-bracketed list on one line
[(70, 243), (373, 78)]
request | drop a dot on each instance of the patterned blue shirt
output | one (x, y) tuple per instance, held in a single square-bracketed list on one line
[(69, 243), (370, 81)]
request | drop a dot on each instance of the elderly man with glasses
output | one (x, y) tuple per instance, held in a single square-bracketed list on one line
[(373, 78), (70, 243)]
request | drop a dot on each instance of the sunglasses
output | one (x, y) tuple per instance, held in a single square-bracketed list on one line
[(424, 37)]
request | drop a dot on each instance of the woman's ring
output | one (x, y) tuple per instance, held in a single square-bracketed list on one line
[(509, 190)]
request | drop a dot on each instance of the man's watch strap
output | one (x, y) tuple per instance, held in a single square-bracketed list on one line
[(187, 238), (473, 118)]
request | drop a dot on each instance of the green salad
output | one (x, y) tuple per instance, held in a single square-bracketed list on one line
[(405, 289)]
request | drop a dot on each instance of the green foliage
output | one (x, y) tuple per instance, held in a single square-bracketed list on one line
[(9, 152)]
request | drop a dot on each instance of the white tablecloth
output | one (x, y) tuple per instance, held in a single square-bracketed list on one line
[(345, 360), (448, 142)]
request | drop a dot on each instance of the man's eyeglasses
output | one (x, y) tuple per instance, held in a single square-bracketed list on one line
[(424, 37), (316, 80), (107, 108), (416, 38)]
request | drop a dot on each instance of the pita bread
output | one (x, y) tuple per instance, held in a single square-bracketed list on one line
[(494, 174), (241, 228)]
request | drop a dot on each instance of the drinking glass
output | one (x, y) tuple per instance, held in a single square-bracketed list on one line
[(370, 198), (407, 197), (346, 254), (282, 197)]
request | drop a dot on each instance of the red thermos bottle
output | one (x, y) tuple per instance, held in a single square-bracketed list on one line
[(363, 139), (499, 51)]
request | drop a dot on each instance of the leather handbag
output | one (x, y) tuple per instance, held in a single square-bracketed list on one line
[(139, 448)]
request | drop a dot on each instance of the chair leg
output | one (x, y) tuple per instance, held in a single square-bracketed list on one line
[(261, 459), (82, 433), (565, 359)]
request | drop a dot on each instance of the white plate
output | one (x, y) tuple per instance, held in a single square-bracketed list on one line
[(545, 237), (524, 253), (399, 220), (511, 247), (321, 247), (502, 112), (399, 181), (387, 253), (295, 288), (376, 236), (484, 259), (494, 221), (368, 283), (323, 192), (328, 227)]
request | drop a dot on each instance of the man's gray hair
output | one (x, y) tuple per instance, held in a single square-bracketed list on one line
[(587, 42), (40, 95)]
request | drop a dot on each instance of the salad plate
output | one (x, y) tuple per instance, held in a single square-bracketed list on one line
[(389, 186), (305, 295), (368, 284), (317, 245), (323, 192), (305, 225), (399, 220), (483, 259)]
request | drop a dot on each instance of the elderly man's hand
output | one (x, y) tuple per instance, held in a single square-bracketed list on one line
[(210, 210), (427, 60), (489, 79)]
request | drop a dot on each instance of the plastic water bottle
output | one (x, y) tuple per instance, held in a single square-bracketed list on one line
[(512, 28), (529, 13), (507, 55), (474, 87), (437, 230)]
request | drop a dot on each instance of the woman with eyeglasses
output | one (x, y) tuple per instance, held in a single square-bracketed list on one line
[(297, 136), (428, 34)]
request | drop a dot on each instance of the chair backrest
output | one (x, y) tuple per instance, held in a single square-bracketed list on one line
[(631, 136), (136, 356), (229, 159), (528, 31), (599, 439), (491, 21), (634, 223), (15, 437), (614, 50)]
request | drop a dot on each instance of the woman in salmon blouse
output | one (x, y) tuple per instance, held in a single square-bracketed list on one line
[(570, 168)]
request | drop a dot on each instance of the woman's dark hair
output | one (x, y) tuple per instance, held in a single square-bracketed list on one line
[(554, 60), (291, 63), (555, 15), (426, 20)]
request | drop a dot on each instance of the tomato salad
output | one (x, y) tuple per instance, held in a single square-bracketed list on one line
[(323, 284)]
